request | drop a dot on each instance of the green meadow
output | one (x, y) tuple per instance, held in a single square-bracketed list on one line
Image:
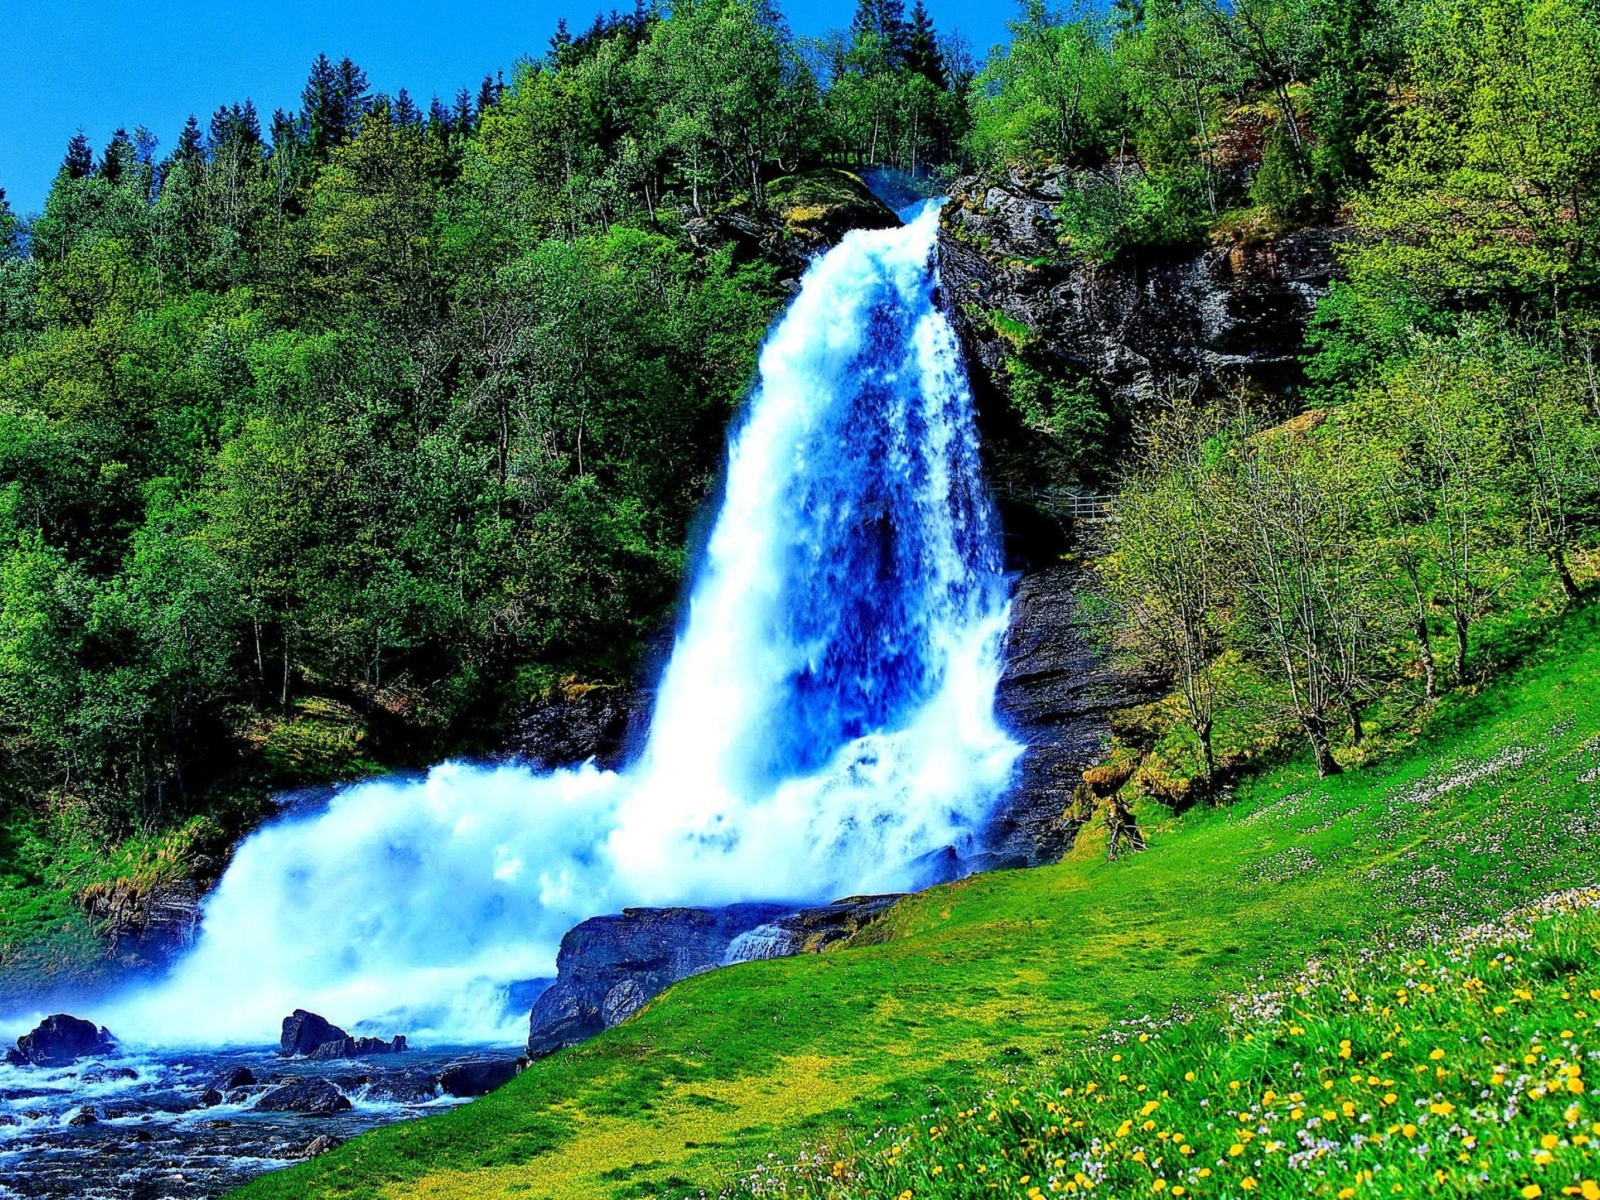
[(764, 1075)]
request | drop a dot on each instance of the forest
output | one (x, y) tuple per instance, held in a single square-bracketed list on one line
[(328, 439)]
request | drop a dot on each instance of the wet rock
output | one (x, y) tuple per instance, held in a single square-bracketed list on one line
[(477, 1076), (319, 1145), (110, 1075), (304, 1031), (84, 1117), (810, 930), (575, 723), (349, 1047), (307, 1035), (231, 1080), (609, 967), (402, 1087), (1057, 695), (210, 1098), (147, 926), (59, 1041), (313, 1097)]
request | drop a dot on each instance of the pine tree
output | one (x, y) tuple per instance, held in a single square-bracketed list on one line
[(353, 98), (462, 113), (560, 43), (191, 145), (486, 96), (333, 102), (922, 42), (406, 111), (881, 24), (117, 157), (79, 162)]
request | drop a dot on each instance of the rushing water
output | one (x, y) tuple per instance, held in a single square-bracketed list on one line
[(826, 718)]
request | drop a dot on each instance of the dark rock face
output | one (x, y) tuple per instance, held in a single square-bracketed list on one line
[(474, 1077), (576, 725), (1225, 310), (1057, 695), (403, 1087), (314, 1097), (60, 1040), (304, 1031), (609, 967), (306, 1035)]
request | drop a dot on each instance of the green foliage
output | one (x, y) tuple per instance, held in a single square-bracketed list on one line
[(1054, 91), (1107, 213), (1486, 187)]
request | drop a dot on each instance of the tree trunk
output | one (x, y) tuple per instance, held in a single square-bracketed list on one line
[(1430, 675), (1569, 586), (1317, 735), (1460, 619), (1207, 758), (1357, 733)]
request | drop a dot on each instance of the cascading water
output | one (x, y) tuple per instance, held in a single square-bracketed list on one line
[(826, 718)]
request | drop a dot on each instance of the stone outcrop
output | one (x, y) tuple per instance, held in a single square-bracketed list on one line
[(1224, 310), (817, 208), (811, 930), (307, 1035), (472, 1077), (609, 967), (60, 1041), (1057, 695), (577, 723)]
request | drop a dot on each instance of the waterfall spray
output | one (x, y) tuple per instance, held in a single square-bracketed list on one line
[(825, 720)]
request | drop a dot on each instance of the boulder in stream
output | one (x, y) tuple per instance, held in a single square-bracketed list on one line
[(477, 1076), (315, 1097), (307, 1035), (59, 1041)]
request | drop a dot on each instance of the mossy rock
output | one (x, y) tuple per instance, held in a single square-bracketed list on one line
[(819, 207)]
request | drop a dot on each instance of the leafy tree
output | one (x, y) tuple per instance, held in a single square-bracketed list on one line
[(1054, 91)]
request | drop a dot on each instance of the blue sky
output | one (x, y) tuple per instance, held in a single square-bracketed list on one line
[(99, 64)]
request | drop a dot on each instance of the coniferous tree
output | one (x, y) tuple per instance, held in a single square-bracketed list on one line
[(79, 162), (406, 111), (560, 43), (333, 101), (922, 48), (10, 229), (191, 145), (461, 114), (117, 157)]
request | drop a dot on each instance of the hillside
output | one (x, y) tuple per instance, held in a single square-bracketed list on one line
[(992, 980)]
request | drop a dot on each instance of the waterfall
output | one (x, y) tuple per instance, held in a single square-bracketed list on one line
[(826, 718)]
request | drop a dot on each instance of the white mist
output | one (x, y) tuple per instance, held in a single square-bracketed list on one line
[(826, 718)]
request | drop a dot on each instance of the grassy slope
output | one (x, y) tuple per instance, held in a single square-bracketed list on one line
[(986, 981)]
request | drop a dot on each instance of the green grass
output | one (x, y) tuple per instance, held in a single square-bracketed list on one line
[(1460, 1069), (993, 982)]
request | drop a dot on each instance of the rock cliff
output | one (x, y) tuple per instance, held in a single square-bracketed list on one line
[(1236, 308)]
